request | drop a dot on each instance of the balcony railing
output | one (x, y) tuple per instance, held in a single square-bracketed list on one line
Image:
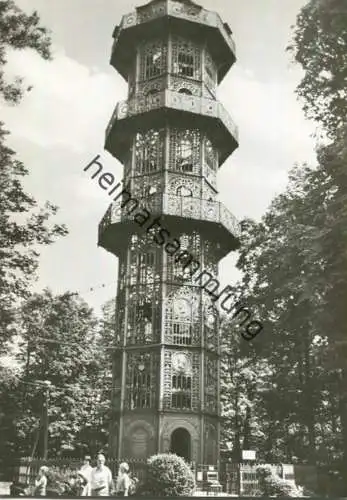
[(187, 207), (174, 100), (180, 11)]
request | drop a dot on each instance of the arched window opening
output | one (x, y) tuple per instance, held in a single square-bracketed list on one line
[(184, 192), (151, 92), (181, 443), (185, 91)]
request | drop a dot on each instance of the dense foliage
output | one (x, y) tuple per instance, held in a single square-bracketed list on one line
[(294, 265), (319, 46), (167, 476), (61, 343), (271, 485), (24, 226)]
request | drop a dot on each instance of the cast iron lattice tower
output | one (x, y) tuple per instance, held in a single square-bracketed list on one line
[(171, 135)]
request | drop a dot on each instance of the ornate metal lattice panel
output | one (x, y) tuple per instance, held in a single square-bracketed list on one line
[(150, 185), (120, 318), (210, 73), (210, 155), (210, 258), (185, 151), (141, 380), (211, 322), (186, 58), (211, 384), (181, 380), (184, 185), (178, 266), (167, 380), (149, 151), (153, 59), (116, 381), (144, 314), (182, 315)]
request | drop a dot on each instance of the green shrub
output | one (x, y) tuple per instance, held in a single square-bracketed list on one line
[(167, 476), (272, 485)]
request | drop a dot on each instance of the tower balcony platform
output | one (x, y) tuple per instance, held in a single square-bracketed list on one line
[(154, 110), (177, 214), (182, 16)]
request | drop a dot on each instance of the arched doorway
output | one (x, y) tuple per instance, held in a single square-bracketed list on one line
[(181, 443)]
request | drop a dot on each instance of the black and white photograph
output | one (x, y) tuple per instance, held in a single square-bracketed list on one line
[(173, 248)]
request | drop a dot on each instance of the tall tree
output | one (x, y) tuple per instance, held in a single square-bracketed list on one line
[(60, 344), (24, 226), (319, 46)]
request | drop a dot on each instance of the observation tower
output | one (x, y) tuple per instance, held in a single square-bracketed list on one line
[(172, 135)]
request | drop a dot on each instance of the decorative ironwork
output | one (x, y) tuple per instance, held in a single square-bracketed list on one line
[(141, 380), (178, 206), (149, 151), (178, 10), (211, 384), (153, 59), (185, 58), (185, 151), (172, 136), (182, 328), (144, 314), (177, 101)]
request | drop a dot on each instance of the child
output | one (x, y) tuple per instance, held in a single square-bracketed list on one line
[(123, 480)]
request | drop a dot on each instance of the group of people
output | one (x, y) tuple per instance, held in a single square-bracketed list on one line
[(91, 481)]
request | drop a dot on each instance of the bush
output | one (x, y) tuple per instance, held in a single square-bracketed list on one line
[(167, 476), (58, 481), (272, 485)]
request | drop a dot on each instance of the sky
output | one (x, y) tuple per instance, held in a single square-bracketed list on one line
[(59, 126)]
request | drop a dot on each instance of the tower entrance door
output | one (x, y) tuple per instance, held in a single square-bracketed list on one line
[(181, 443)]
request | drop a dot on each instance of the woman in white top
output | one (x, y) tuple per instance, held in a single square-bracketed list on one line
[(123, 480)]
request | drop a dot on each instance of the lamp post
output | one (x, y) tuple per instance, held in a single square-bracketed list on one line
[(45, 423)]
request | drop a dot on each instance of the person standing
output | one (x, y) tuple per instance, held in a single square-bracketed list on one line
[(86, 472), (101, 478), (41, 482), (123, 480)]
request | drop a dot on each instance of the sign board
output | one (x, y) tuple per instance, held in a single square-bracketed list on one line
[(248, 455)]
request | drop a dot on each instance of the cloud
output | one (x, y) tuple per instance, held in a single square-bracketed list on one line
[(270, 119), (59, 127), (69, 104)]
